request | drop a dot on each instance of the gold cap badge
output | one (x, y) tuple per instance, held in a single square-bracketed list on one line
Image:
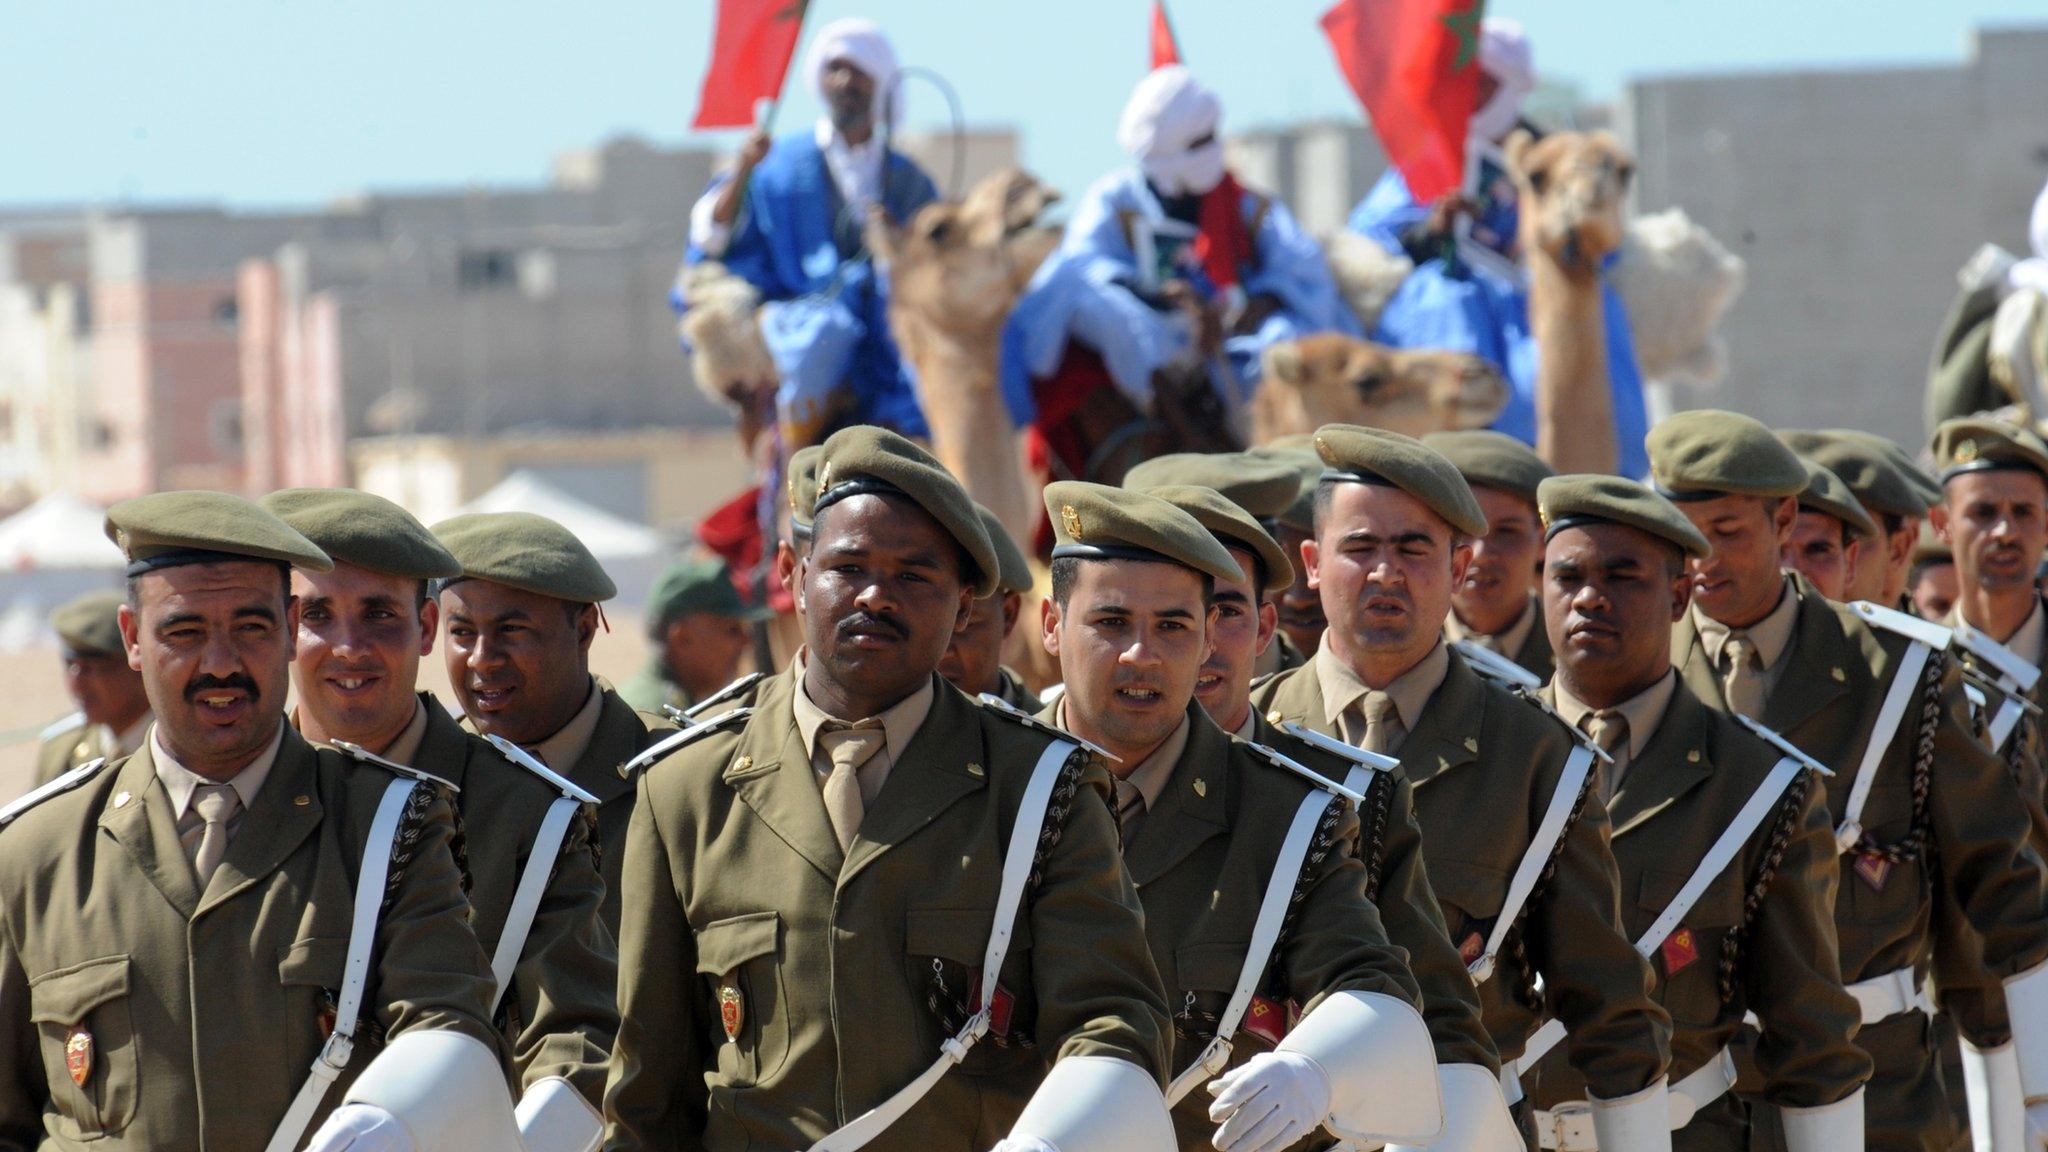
[(1071, 518)]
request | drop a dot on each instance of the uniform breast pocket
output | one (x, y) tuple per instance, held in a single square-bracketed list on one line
[(1688, 963), (943, 950), (310, 974), (88, 1040), (1471, 895), (740, 961), (1875, 892)]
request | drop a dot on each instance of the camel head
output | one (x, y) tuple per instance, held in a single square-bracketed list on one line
[(1573, 189), (1328, 378), (960, 265)]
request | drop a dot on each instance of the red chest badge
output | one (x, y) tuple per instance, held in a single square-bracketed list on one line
[(1679, 950), (732, 1010), (78, 1055), (1874, 870), (1000, 1013), (1469, 951), (1269, 1020)]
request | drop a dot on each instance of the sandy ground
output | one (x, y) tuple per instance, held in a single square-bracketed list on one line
[(33, 693)]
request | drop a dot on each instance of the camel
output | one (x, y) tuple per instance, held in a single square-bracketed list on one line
[(1330, 378), (728, 358)]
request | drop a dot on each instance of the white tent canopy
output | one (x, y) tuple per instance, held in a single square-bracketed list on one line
[(57, 531), (633, 554)]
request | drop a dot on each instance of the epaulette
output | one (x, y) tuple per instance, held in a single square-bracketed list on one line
[(2009, 665), (531, 763), (1578, 735), (1004, 708), (654, 752), (60, 785), (684, 717), (71, 722), (1497, 667), (1282, 760), (1935, 636), (1783, 745), (1376, 761), (360, 753)]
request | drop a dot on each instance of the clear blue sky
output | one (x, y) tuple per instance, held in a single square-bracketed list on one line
[(275, 102)]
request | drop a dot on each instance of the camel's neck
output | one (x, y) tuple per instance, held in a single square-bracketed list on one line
[(1574, 400), (957, 380)]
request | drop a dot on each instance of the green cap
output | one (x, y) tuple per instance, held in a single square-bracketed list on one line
[(1359, 455), (1097, 522), (1013, 572), (866, 460), (167, 529), (1261, 485), (90, 625), (1488, 459), (1982, 444), (1571, 500), (1232, 527), (1300, 514), (1706, 453), (693, 587), (524, 551), (367, 531), (800, 487), (1930, 548), (1873, 474), (1826, 494)]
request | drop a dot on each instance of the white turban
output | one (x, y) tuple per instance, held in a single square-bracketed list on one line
[(2032, 273), (1506, 55), (858, 42), (1167, 113)]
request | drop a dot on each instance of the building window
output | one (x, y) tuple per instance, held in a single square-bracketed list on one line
[(227, 311), (486, 270), (224, 425)]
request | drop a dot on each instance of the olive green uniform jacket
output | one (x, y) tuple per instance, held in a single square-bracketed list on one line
[(1694, 774), (772, 989), (1011, 688), (65, 746), (1535, 654), (1485, 765), (560, 1015), (205, 1010), (650, 688), (1988, 889), (1959, 381)]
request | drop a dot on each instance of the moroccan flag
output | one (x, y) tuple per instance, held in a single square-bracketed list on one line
[(1164, 50), (1414, 64), (751, 45)]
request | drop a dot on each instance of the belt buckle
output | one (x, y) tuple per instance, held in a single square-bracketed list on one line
[(1561, 1118), (1847, 836)]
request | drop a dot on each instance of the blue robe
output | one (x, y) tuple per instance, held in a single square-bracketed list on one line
[(1086, 292), (1452, 305), (825, 310)]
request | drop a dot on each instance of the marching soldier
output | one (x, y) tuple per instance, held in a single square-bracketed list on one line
[(1880, 706), (113, 711), (520, 617), (1931, 586), (1694, 796), (1495, 607), (1301, 610), (1893, 491), (973, 662), (1492, 773), (160, 913), (364, 626), (1829, 534), (1390, 840), (697, 625), (809, 945)]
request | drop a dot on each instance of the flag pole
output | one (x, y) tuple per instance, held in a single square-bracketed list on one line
[(803, 13)]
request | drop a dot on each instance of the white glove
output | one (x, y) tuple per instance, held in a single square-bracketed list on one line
[(1275, 1099), (1023, 1144), (361, 1128), (2037, 1126)]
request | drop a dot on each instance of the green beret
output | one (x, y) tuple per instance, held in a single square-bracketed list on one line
[(866, 460), (166, 529), (1300, 514), (367, 531), (801, 488), (1568, 501), (1870, 472), (697, 586), (1013, 572), (1705, 453), (1826, 494), (1489, 459), (1097, 522), (1376, 456), (524, 551), (1232, 526), (1982, 444), (90, 625), (1261, 485), (1931, 548)]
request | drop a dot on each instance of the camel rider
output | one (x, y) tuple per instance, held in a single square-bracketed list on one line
[(1172, 227), (788, 218), (1993, 347), (1466, 293)]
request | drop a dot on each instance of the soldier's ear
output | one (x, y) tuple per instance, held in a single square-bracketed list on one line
[(1937, 516), (131, 635), (1049, 626), (1783, 517)]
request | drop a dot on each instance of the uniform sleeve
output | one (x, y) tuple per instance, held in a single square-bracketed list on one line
[(1792, 976), (1989, 869), (1338, 943), (1415, 922), (1596, 982), (431, 972), (655, 1096), (1098, 992), (23, 1091), (567, 976)]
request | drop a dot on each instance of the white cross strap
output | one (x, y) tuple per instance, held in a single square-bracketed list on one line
[(2012, 676), (1900, 695), (1492, 664), (532, 763), (1556, 816), (533, 885), (656, 751), (56, 787), (1279, 759)]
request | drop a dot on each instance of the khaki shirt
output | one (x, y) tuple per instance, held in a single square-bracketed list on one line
[(1344, 691), (1524, 642), (181, 784), (1642, 712), (900, 722), (1772, 635)]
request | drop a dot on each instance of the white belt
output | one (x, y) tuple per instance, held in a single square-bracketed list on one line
[(1889, 995), (1569, 1127), (1511, 1082)]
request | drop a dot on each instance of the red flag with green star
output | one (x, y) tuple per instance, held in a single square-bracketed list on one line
[(752, 42), (1414, 64)]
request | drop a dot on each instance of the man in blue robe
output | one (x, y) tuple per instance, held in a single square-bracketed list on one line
[(789, 217), (1146, 240), (1467, 294)]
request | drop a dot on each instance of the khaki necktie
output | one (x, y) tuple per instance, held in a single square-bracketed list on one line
[(1609, 730), (1383, 728), (216, 804), (850, 746), (1130, 811), (1742, 681)]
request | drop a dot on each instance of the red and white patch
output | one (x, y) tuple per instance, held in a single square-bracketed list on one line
[(1874, 870), (1269, 1020), (1679, 950), (732, 1010), (1000, 1013), (1471, 948), (78, 1055)]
